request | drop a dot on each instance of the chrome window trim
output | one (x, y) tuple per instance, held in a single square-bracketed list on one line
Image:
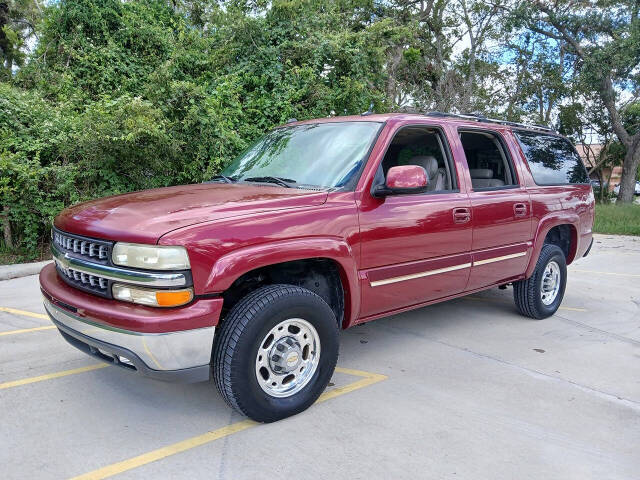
[(134, 277)]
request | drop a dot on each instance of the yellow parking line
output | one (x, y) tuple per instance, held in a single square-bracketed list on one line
[(135, 462), (500, 300), (167, 451), (49, 376), (26, 330), (605, 273), (573, 309), (23, 313), (369, 379)]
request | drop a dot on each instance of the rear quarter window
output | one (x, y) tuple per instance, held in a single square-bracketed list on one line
[(552, 160)]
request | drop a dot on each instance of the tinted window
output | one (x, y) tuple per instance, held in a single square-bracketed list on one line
[(552, 160)]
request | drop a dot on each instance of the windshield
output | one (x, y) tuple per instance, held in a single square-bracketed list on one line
[(319, 155)]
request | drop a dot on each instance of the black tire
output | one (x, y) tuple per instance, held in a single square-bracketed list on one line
[(238, 340), (527, 293)]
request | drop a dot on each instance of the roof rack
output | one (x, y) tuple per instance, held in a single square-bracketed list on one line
[(477, 117)]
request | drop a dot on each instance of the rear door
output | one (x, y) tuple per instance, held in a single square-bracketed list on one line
[(415, 247), (500, 205)]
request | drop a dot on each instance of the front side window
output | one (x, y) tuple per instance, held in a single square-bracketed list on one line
[(326, 155), (422, 146), (552, 159)]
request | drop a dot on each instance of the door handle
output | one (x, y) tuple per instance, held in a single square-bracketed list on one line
[(520, 209), (461, 215)]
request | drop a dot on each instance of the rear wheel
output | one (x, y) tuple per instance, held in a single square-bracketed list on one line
[(540, 295), (276, 352)]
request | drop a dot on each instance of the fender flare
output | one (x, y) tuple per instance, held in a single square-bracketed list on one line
[(231, 266), (545, 224)]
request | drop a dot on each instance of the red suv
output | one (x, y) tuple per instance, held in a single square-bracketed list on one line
[(319, 225)]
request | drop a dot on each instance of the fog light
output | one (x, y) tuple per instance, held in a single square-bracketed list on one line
[(153, 298), (125, 360), (106, 354)]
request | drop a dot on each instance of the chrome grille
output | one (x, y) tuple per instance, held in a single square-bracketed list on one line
[(89, 249), (84, 281), (84, 247)]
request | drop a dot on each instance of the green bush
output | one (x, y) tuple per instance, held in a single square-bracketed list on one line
[(121, 96)]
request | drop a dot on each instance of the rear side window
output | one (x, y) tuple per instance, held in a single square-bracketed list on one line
[(489, 165), (553, 160)]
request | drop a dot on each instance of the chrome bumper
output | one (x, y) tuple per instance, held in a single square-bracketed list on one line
[(178, 356)]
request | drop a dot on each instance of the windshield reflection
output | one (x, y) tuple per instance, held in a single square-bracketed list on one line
[(320, 155)]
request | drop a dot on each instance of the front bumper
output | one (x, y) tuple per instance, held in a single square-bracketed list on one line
[(170, 344), (174, 356)]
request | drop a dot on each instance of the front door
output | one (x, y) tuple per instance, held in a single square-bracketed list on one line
[(415, 248)]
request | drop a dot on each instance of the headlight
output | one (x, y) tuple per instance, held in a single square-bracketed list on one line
[(154, 298), (153, 257)]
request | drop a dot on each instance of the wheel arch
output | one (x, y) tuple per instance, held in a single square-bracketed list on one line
[(559, 230), (303, 260)]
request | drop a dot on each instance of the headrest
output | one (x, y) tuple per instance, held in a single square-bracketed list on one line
[(428, 162), (481, 173)]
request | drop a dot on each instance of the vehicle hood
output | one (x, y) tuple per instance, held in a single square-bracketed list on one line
[(145, 216)]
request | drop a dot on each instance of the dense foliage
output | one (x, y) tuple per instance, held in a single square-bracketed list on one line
[(105, 96), (120, 96)]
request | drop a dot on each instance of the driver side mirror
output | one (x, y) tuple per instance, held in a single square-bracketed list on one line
[(403, 179)]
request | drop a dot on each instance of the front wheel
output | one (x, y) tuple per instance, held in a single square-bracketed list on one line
[(540, 295), (276, 352)]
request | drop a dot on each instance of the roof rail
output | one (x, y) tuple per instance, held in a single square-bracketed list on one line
[(368, 112), (477, 117)]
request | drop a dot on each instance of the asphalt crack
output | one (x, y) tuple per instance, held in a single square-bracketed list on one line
[(596, 329), (530, 371)]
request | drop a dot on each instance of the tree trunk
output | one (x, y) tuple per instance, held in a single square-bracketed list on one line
[(466, 106), (391, 89), (8, 241), (4, 41), (608, 182), (629, 173)]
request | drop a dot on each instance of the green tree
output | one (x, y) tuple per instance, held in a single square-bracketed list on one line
[(18, 26), (119, 96), (604, 38), (581, 119), (538, 78)]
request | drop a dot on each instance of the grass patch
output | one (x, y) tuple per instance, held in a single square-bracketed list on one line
[(617, 219)]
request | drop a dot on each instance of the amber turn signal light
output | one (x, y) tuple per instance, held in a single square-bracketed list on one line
[(153, 298), (173, 298)]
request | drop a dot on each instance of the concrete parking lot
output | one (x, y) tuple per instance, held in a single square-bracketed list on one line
[(464, 389)]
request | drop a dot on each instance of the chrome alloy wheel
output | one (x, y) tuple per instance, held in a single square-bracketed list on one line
[(288, 357), (550, 283)]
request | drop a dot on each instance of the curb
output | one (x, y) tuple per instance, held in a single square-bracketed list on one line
[(18, 270)]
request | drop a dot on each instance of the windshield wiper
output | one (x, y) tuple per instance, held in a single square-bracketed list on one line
[(283, 182), (224, 178)]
